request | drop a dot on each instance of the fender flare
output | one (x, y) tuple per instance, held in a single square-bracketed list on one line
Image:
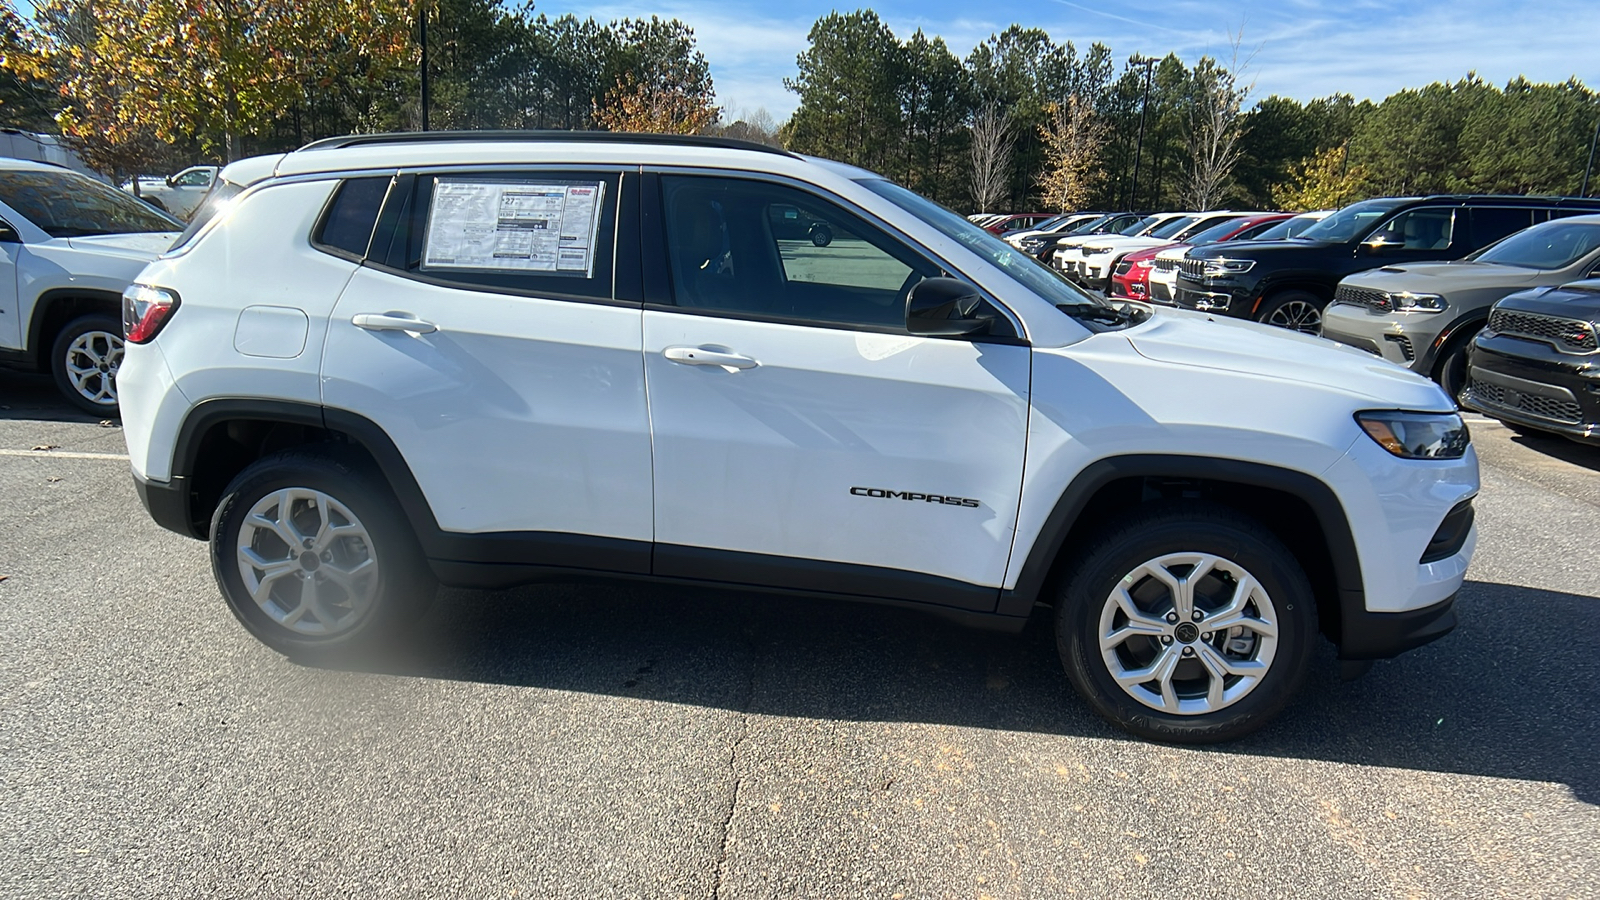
[(1051, 540), (48, 299)]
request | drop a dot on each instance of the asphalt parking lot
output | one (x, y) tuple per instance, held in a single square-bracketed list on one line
[(604, 740)]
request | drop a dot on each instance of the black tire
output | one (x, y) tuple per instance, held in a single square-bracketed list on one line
[(1191, 527), (821, 235), (1295, 310), (1450, 371), (66, 362), (404, 585)]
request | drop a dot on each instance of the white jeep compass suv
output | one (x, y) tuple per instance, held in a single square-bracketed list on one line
[(388, 361)]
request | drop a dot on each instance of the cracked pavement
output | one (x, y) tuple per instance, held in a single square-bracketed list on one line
[(629, 740)]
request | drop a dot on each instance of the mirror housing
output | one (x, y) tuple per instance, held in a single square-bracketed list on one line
[(942, 307), (1380, 246), (8, 235)]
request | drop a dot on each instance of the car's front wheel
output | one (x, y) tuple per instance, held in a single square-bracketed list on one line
[(85, 358), (314, 556), (1187, 623), (1295, 310)]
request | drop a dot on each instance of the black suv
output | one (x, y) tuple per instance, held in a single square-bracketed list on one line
[(1288, 283), (1537, 363)]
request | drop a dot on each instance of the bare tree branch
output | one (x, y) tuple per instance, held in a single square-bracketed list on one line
[(993, 139)]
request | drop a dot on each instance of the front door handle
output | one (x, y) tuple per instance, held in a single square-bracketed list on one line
[(702, 356), (393, 322)]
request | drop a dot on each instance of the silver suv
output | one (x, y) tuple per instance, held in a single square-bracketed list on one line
[(1424, 315)]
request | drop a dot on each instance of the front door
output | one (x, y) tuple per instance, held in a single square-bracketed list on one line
[(802, 437), (484, 337)]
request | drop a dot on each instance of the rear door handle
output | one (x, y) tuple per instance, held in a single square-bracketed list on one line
[(392, 322), (700, 356)]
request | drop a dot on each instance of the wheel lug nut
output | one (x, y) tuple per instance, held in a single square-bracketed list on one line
[(1172, 618), (1198, 615), (307, 542), (1188, 651), (1206, 636), (1166, 639)]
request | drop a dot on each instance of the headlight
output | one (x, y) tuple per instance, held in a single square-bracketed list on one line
[(1413, 435), (1143, 263), (1216, 267), (1033, 245), (1405, 301), (1094, 251)]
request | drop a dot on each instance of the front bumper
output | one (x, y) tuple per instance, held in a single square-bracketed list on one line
[(1370, 635), (1404, 339), (1529, 384), (1220, 295)]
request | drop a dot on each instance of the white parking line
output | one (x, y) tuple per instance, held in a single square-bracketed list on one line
[(61, 454)]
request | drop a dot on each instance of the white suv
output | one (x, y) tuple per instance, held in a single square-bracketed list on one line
[(69, 245), (485, 360)]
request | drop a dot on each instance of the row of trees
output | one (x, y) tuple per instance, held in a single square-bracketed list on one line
[(1024, 121), (1021, 121), (139, 84)]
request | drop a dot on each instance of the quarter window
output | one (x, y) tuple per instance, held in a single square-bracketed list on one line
[(766, 250), (347, 225)]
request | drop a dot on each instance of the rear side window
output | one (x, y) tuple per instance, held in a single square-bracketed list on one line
[(537, 233), (346, 226), (1491, 223)]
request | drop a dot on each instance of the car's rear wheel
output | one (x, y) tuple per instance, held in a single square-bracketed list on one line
[(1295, 310), (85, 358), (1187, 623), (1450, 372), (314, 556)]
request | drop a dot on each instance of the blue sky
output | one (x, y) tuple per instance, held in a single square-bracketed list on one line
[(1307, 48)]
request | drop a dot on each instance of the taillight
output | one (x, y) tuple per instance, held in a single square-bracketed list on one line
[(144, 310)]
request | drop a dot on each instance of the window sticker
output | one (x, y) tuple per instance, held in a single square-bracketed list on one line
[(513, 226)]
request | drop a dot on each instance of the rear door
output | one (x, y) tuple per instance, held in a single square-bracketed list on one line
[(488, 336), (802, 437)]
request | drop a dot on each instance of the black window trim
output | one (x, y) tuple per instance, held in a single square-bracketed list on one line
[(327, 210), (406, 175), (658, 296)]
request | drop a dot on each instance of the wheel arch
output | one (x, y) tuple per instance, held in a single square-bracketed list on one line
[(1301, 509), (54, 308), (1320, 287), (221, 436)]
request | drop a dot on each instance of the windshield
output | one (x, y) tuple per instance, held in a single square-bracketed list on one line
[(1202, 224), (1031, 273), (1051, 222), (66, 204), (1288, 228), (1351, 222), (1213, 234), (1138, 226), (1171, 227), (1089, 225), (1551, 245)]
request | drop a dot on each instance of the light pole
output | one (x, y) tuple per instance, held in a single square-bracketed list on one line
[(1138, 148), (1584, 191), (422, 38)]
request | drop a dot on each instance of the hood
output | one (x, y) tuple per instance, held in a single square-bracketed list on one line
[(1259, 249), (1580, 300), (143, 246), (1218, 342), (1439, 277), (1156, 250)]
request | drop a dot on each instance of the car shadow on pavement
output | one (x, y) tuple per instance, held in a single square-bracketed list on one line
[(1514, 692), (1564, 449), (35, 397)]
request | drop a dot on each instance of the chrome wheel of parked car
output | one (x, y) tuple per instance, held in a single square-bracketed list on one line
[(1297, 315), (307, 561), (1188, 633)]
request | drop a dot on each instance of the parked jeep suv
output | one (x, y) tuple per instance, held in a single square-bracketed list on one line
[(492, 359), (1289, 283), (69, 245), (1424, 315)]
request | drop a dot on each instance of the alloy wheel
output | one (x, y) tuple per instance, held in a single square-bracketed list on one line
[(1188, 633), (307, 562), (1297, 315), (93, 359)]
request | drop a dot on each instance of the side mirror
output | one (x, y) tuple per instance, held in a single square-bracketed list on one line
[(1382, 244), (944, 307), (8, 235)]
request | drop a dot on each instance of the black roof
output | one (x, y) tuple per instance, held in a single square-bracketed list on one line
[(509, 136)]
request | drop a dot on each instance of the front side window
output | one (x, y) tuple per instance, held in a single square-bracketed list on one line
[(193, 178), (66, 204), (1553, 245), (1429, 228), (769, 250)]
